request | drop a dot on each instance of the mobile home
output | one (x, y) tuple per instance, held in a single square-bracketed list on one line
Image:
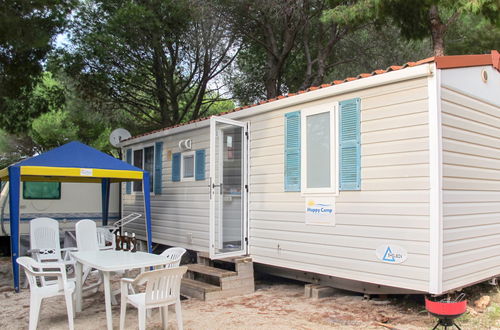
[(67, 202), (389, 179)]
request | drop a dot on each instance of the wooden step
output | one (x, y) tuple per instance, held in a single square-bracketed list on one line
[(238, 259), (210, 271), (196, 289)]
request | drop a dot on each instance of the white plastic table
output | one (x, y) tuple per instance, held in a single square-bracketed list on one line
[(110, 261)]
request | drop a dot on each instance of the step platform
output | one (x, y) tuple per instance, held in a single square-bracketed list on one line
[(211, 280)]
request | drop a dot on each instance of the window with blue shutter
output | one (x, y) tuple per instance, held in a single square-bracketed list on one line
[(200, 164), (176, 166), (292, 151), (350, 145), (158, 167), (128, 159)]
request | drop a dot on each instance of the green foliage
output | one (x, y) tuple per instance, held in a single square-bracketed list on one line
[(418, 20), (27, 29), (150, 60), (472, 35), (53, 129), (45, 96)]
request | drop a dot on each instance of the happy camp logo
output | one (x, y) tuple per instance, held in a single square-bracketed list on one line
[(317, 208)]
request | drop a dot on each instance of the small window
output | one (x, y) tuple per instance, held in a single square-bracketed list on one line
[(41, 190), (144, 158), (318, 150), (187, 166)]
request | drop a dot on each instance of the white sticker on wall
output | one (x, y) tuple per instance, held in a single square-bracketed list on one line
[(86, 172), (320, 211), (392, 254)]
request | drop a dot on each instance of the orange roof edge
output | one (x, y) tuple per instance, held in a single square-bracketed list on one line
[(495, 59), (461, 61)]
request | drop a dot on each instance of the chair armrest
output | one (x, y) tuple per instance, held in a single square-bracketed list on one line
[(124, 285), (127, 280), (33, 251), (69, 249)]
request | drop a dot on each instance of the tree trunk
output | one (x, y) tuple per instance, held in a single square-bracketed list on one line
[(159, 77), (438, 30)]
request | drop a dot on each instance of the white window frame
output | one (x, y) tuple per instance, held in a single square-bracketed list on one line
[(334, 149), (188, 153), (152, 175)]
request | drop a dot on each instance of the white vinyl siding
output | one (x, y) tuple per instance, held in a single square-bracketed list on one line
[(392, 206), (180, 214), (471, 189)]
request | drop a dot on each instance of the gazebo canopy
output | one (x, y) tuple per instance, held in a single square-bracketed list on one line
[(72, 162)]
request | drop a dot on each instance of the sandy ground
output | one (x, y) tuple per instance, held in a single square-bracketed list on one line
[(276, 304)]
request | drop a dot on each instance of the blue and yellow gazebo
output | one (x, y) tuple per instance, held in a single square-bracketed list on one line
[(72, 162)]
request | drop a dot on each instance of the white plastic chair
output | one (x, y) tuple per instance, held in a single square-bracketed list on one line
[(87, 240), (103, 237), (162, 289), (63, 287), (173, 256), (45, 245)]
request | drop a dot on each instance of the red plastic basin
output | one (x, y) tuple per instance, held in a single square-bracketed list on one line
[(446, 308)]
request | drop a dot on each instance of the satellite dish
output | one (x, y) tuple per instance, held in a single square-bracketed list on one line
[(118, 135)]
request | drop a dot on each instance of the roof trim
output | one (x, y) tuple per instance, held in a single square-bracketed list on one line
[(442, 62), (290, 100), (462, 61)]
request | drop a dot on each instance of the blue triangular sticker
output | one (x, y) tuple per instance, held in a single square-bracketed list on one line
[(388, 256)]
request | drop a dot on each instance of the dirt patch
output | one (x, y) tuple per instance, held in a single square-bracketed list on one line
[(276, 304)]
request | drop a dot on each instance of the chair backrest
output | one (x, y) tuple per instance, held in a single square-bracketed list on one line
[(163, 285), (174, 255), (33, 270), (44, 237), (86, 235), (103, 236)]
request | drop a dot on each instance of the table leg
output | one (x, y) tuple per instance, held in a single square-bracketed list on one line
[(107, 298), (78, 284)]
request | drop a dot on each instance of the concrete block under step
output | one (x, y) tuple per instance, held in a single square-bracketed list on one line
[(308, 289), (236, 282), (318, 292), (244, 269)]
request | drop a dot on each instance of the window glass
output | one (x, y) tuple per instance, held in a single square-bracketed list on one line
[(149, 157), (41, 190), (318, 150), (188, 161), (138, 163)]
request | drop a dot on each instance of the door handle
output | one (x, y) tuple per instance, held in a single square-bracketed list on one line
[(218, 185)]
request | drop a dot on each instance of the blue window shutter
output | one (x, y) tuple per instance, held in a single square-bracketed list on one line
[(128, 159), (199, 164), (292, 151), (350, 145), (158, 167), (176, 166)]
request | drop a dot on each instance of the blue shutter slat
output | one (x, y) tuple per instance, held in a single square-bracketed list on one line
[(176, 166), (200, 164), (292, 151), (128, 159), (350, 145), (158, 167)]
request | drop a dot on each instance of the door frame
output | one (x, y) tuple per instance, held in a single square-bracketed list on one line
[(245, 166)]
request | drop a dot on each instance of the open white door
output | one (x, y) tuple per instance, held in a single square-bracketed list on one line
[(228, 188)]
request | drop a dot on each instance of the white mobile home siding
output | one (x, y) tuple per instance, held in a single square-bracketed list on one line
[(471, 176), (392, 206), (180, 215)]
